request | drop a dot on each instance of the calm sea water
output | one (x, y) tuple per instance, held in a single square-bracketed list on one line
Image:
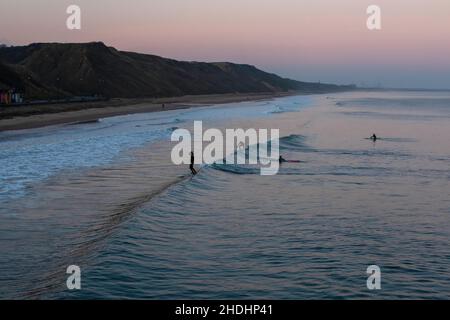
[(106, 197)]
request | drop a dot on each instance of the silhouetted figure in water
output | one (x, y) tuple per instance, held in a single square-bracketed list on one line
[(374, 137), (281, 159), (194, 172)]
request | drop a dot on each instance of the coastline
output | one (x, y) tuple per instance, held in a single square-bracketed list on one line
[(93, 111)]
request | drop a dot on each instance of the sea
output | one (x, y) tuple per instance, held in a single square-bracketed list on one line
[(106, 197)]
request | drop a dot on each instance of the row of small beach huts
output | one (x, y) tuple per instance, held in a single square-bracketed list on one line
[(10, 96)]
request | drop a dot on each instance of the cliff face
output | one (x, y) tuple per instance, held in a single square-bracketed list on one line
[(49, 70)]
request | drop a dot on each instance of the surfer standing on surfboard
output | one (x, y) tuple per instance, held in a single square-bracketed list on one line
[(374, 137), (191, 166)]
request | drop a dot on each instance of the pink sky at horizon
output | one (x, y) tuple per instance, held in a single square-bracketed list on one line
[(323, 40)]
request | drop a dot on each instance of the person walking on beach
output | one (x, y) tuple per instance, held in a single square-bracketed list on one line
[(191, 166)]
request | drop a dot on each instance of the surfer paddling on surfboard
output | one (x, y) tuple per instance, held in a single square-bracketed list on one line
[(191, 166), (281, 160)]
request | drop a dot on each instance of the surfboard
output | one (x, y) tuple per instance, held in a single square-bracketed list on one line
[(198, 171), (293, 161)]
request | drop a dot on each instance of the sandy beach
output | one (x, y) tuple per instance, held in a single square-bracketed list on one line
[(28, 117)]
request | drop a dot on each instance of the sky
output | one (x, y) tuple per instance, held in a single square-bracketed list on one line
[(309, 40)]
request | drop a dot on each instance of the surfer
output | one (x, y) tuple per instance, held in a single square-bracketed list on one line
[(374, 137), (191, 166), (281, 160)]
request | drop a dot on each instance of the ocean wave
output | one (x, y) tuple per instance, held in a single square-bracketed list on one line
[(236, 169)]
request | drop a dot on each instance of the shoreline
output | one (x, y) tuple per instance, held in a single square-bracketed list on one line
[(93, 111)]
